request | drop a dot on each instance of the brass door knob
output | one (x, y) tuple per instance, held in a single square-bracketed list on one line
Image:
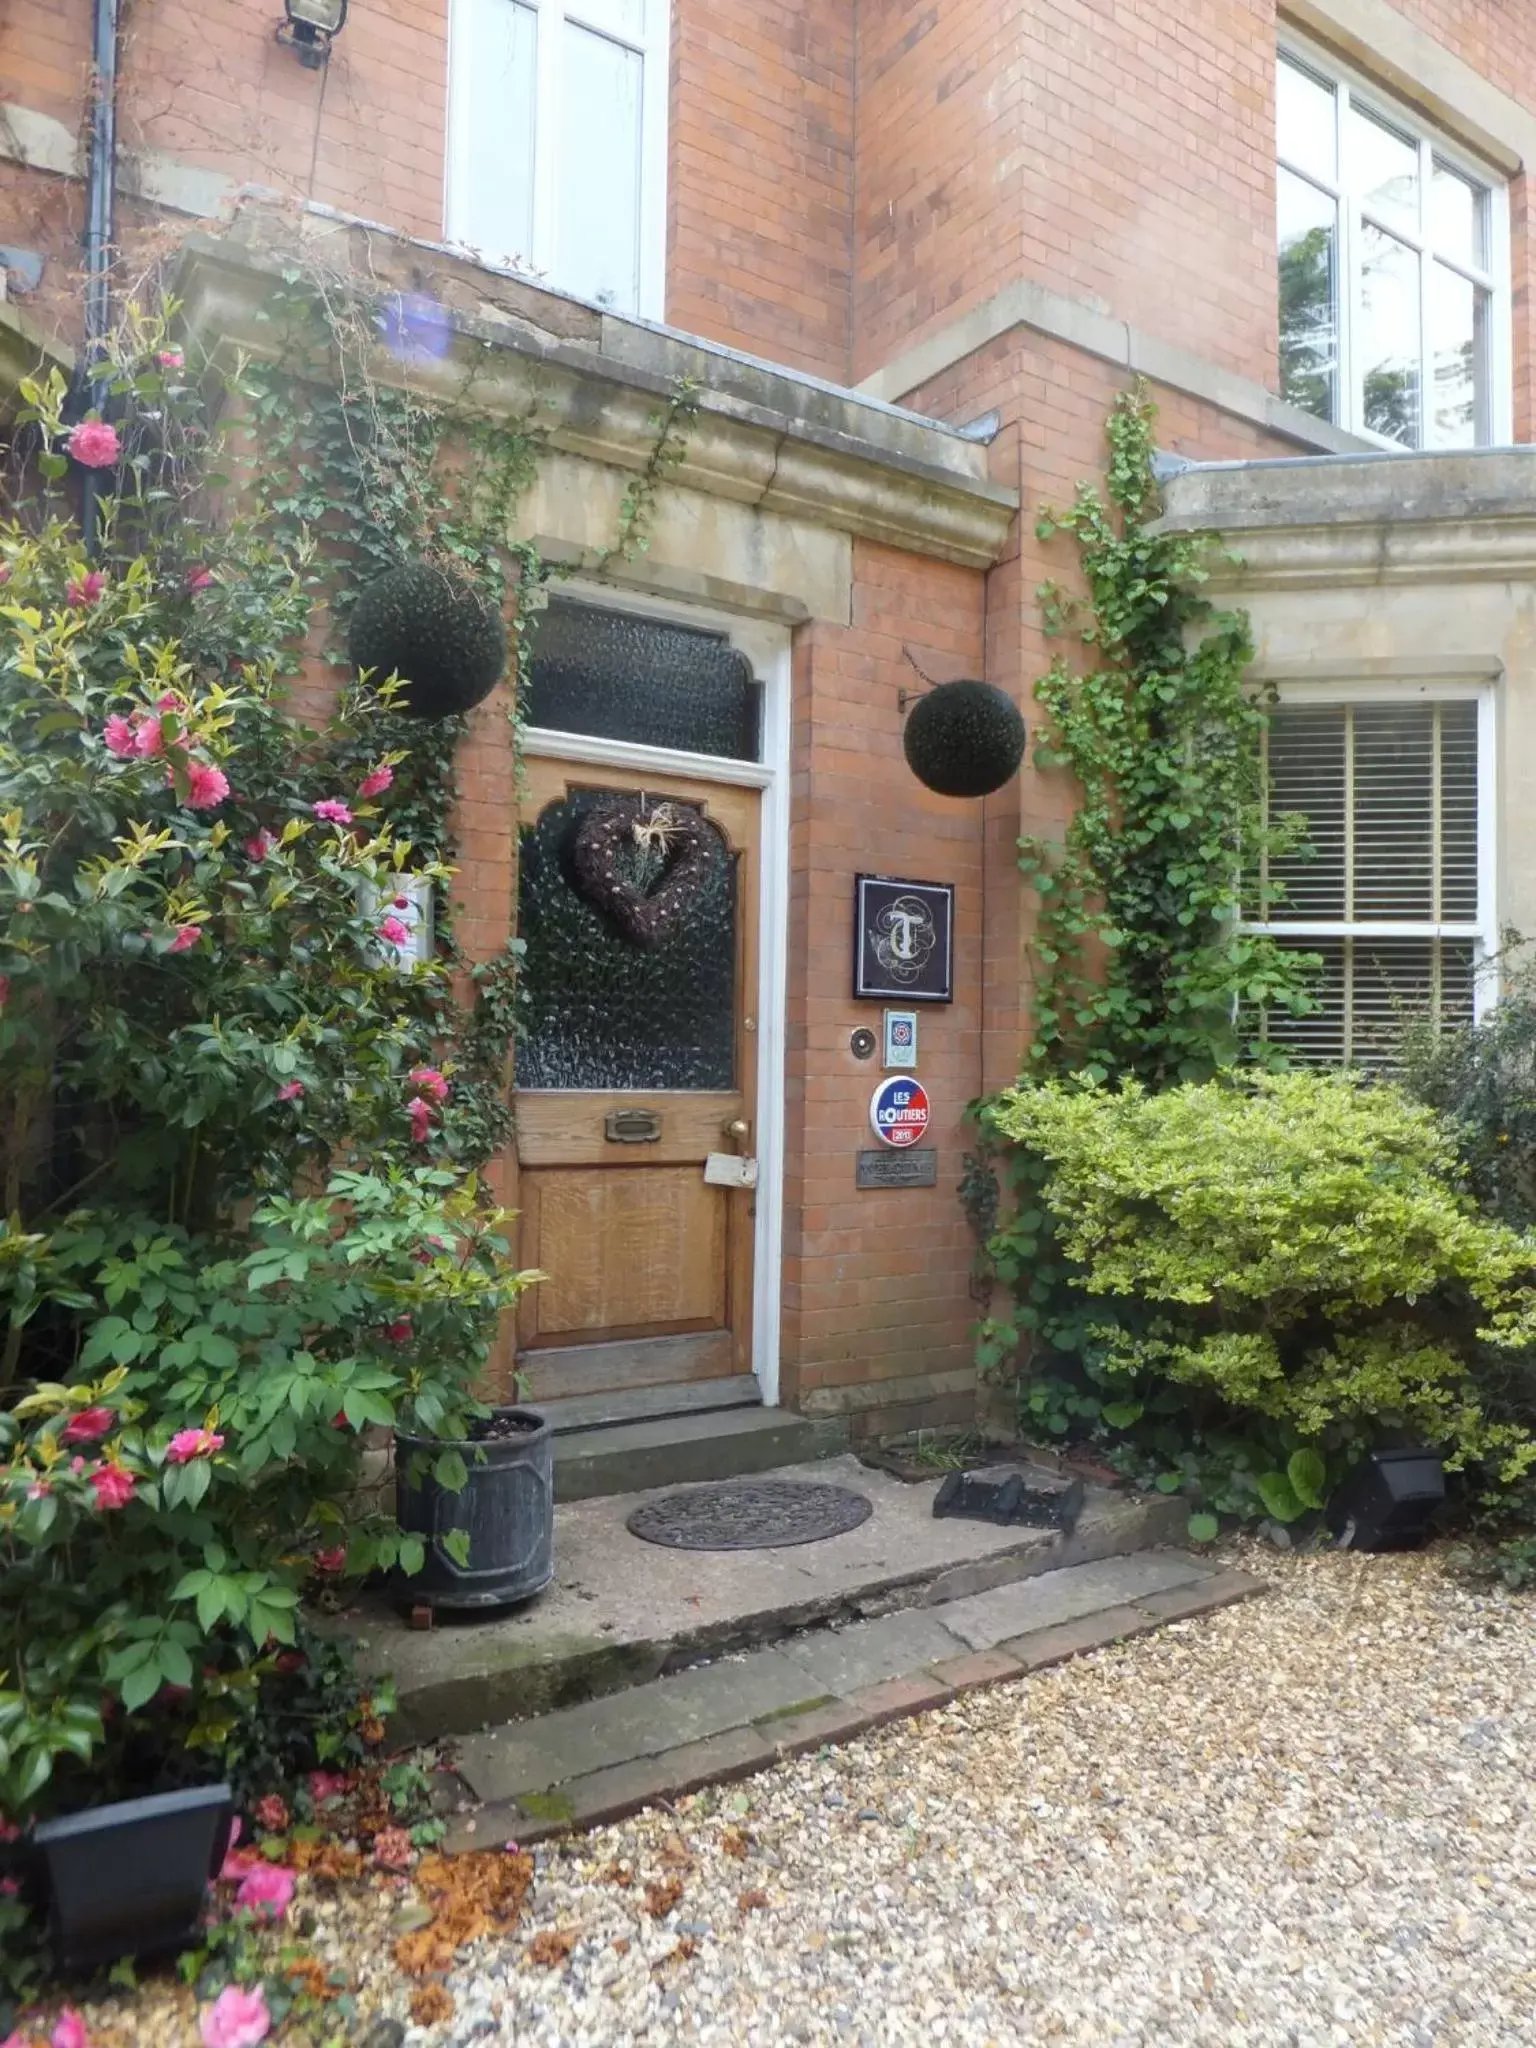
[(738, 1127)]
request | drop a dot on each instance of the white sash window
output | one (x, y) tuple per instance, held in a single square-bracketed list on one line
[(557, 142)]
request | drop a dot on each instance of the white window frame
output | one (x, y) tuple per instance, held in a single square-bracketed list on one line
[(1483, 931), (653, 45), (1352, 87)]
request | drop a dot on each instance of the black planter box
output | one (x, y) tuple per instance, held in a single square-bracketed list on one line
[(1006, 1494), (1389, 1501), (129, 1879)]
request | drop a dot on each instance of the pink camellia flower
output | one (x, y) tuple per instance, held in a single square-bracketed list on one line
[(199, 578), (118, 734), (84, 590), (396, 933), (89, 1426), (420, 1114), (290, 1091), (39, 1491), (376, 781), (238, 1863), (261, 843), (327, 1785), (393, 1850), (272, 1813), (332, 810), (237, 2018), (187, 936), (206, 785), (94, 444), (114, 1487), (429, 1081), (331, 1561), (268, 1887), (148, 736), (69, 2032), (9, 1830), (170, 700), (77, 1464), (402, 903), (9, 1888), (188, 1444), (399, 1331), (171, 359)]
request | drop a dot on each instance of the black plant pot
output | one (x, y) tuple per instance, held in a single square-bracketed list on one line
[(129, 1879), (506, 1508), (1389, 1501)]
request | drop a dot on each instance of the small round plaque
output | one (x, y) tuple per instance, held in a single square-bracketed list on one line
[(861, 1043)]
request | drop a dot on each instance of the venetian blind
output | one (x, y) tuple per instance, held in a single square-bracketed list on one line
[(1387, 874)]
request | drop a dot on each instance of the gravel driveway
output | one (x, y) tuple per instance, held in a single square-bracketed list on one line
[(1307, 1820)]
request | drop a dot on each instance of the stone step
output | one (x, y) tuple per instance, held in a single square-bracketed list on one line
[(681, 1450), (623, 1612), (597, 1762), (650, 1404)]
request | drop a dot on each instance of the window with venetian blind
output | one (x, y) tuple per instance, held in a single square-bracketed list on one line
[(1389, 886)]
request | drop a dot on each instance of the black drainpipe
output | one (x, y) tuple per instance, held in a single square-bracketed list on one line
[(100, 195)]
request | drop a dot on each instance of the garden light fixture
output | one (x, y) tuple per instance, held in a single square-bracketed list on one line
[(310, 28)]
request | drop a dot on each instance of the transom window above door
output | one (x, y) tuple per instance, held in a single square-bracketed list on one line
[(557, 142), (1394, 267)]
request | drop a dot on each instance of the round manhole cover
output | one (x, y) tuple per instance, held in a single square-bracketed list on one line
[(749, 1514)]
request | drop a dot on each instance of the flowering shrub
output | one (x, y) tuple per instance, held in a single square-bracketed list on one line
[(237, 1134)]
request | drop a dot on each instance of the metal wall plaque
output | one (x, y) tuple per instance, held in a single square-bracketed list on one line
[(916, 1169), (903, 939)]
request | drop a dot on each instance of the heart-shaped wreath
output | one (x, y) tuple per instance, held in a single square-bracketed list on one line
[(644, 913)]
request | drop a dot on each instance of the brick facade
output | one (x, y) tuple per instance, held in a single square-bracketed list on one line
[(847, 178)]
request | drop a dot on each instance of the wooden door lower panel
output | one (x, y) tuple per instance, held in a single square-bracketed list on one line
[(638, 1253)]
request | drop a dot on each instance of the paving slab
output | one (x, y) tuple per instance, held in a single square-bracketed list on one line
[(986, 1619), (526, 1755), (622, 1612), (601, 1761), (842, 1660)]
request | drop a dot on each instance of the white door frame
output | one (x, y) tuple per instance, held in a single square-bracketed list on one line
[(767, 647)]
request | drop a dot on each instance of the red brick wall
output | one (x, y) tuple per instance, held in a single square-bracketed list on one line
[(761, 178), (1104, 148), (875, 1282)]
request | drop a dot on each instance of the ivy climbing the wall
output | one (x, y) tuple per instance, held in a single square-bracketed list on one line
[(1142, 969)]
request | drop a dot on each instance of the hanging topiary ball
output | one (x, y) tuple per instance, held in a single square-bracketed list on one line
[(964, 739), (433, 628)]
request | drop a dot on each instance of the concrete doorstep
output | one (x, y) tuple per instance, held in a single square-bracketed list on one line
[(588, 1764), (623, 1613)]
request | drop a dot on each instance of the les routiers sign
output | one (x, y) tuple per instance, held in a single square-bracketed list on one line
[(899, 1111)]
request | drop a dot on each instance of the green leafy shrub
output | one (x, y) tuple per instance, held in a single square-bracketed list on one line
[(1482, 1080), (1273, 1272)]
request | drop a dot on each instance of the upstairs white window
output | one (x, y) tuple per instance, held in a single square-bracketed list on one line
[(1394, 268), (1393, 886), (557, 143)]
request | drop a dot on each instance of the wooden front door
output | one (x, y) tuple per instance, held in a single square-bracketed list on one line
[(636, 1083)]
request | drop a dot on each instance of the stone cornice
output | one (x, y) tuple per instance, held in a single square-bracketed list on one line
[(1334, 521), (764, 437)]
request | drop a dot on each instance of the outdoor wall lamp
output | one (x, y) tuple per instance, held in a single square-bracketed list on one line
[(310, 28)]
